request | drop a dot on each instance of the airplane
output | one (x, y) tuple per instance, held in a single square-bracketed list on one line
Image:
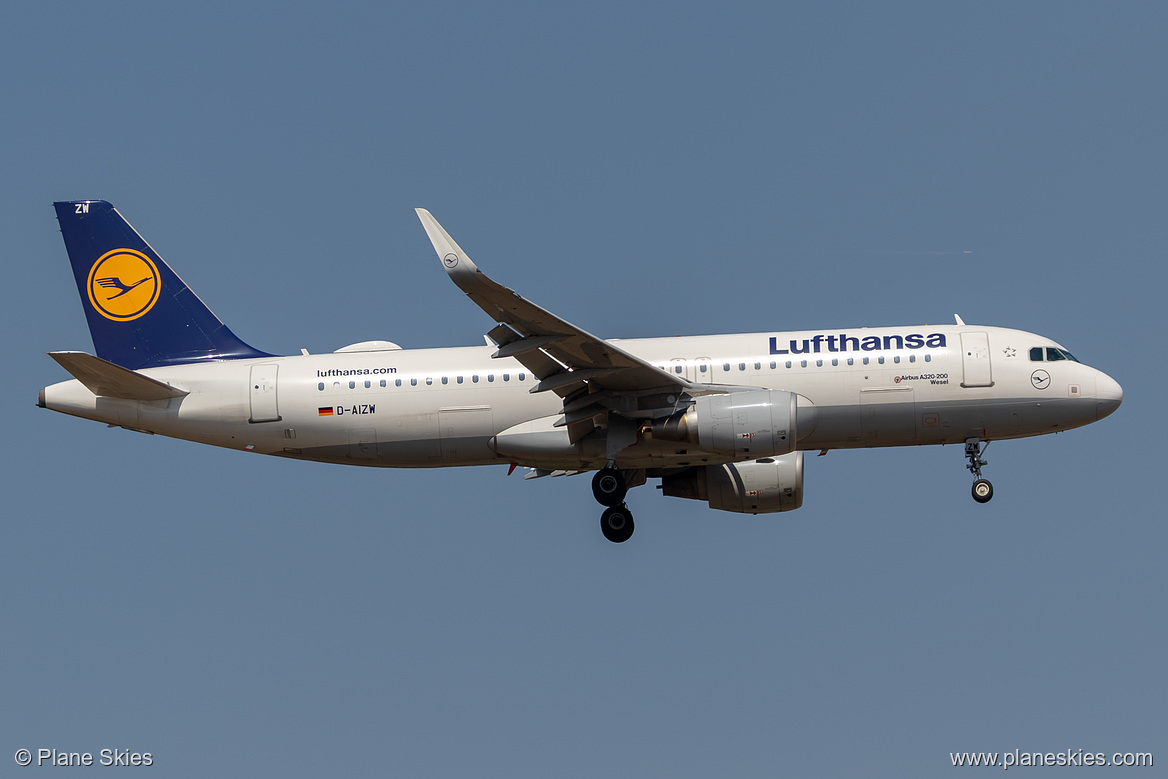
[(724, 419)]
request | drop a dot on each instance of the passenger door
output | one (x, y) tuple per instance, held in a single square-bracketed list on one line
[(975, 360), (264, 407)]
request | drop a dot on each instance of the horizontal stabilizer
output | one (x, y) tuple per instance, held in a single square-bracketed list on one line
[(105, 379)]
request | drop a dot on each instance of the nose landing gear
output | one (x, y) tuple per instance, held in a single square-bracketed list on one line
[(982, 489)]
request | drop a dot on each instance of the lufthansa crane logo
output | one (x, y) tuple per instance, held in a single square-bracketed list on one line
[(450, 260), (123, 285), (1040, 379)]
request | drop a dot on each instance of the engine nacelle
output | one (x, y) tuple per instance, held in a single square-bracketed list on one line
[(759, 423), (760, 487)]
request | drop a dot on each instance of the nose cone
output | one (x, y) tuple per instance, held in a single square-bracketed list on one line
[(1108, 395)]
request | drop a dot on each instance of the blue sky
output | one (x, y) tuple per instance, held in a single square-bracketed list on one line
[(642, 170)]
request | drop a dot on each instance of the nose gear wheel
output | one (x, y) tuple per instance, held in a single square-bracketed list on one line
[(982, 489)]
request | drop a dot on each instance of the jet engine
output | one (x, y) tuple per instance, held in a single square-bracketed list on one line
[(749, 422), (760, 487)]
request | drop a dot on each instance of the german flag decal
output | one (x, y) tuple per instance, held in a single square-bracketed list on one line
[(324, 411)]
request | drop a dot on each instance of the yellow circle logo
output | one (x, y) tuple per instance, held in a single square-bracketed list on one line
[(123, 285)]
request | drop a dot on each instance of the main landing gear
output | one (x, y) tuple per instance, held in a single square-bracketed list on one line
[(617, 523), (982, 489), (609, 487)]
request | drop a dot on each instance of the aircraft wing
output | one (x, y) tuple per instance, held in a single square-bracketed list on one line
[(563, 357)]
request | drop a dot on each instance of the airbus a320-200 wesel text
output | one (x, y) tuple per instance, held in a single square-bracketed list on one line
[(720, 418)]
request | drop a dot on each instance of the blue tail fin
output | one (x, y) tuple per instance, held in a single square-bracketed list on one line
[(140, 313)]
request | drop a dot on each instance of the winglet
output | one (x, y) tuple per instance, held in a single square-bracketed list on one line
[(104, 378), (457, 264), (960, 321)]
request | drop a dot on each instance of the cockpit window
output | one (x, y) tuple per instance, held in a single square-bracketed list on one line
[(1052, 354)]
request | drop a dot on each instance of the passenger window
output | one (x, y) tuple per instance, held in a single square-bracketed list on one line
[(896, 359), (336, 385), (928, 358), (788, 363), (772, 365), (819, 363), (506, 377), (880, 360), (320, 386), (1036, 354), (445, 380), (865, 360), (702, 367), (383, 382), (741, 366), (912, 358), (352, 385), (368, 384), (429, 381), (458, 379), (802, 363), (726, 367), (397, 382), (1052, 355), (758, 366), (851, 361), (474, 379), (490, 377), (677, 369), (522, 376), (834, 361), (413, 382)]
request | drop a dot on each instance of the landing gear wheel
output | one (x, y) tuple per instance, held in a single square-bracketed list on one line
[(982, 491), (617, 524), (609, 486)]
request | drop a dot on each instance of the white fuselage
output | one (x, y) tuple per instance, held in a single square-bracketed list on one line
[(857, 387)]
